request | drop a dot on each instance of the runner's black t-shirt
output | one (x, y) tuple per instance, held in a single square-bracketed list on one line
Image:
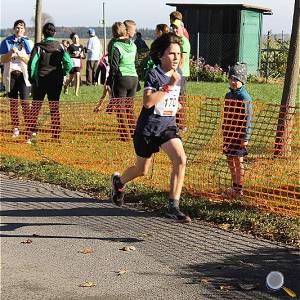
[(75, 50)]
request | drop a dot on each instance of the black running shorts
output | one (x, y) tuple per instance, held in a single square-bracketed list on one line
[(145, 146)]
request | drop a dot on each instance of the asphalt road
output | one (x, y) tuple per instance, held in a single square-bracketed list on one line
[(44, 228)]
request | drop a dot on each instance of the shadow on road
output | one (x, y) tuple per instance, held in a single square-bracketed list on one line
[(37, 236), (249, 271), (51, 199), (65, 211)]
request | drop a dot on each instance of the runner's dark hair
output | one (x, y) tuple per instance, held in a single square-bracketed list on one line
[(159, 46)]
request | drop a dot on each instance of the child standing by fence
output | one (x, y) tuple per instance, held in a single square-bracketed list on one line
[(236, 127), (156, 126)]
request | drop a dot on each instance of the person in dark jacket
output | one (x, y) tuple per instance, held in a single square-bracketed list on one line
[(140, 43), (236, 127), (48, 64)]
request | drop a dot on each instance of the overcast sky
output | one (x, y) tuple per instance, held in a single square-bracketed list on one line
[(146, 13)]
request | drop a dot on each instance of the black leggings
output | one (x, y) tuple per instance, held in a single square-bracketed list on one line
[(124, 87), (50, 86), (18, 87)]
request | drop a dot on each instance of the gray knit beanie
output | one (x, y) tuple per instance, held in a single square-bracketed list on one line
[(239, 72)]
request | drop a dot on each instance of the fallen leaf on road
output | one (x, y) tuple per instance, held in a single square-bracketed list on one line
[(128, 248), (86, 250), (88, 284), (204, 280), (122, 272), (226, 287), (248, 286), (145, 234), (246, 263), (224, 226), (27, 242)]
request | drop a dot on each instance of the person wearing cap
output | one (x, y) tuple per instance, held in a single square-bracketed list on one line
[(178, 29), (94, 52), (49, 63), (237, 123), (176, 15), (15, 52)]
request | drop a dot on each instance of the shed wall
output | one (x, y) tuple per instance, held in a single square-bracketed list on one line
[(226, 34)]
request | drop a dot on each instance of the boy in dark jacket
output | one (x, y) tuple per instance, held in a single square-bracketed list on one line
[(48, 64), (236, 127)]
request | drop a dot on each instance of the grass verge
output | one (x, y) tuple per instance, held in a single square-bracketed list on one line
[(227, 216)]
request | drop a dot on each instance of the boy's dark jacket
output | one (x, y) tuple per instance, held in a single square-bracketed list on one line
[(48, 58), (238, 113)]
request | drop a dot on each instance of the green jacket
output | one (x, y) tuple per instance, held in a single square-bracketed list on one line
[(127, 53), (48, 57)]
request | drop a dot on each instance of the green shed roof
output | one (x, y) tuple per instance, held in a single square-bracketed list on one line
[(241, 5)]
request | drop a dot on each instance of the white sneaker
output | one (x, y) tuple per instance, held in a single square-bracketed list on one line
[(16, 132), (231, 193)]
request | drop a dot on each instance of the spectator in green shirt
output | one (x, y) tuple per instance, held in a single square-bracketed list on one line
[(178, 29)]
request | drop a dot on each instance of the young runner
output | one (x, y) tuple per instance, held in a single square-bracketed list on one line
[(156, 126), (76, 53)]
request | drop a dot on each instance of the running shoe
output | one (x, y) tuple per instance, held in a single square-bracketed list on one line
[(175, 213), (232, 193), (117, 190)]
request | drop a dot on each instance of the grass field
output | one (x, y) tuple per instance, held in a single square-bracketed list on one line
[(90, 147), (259, 92)]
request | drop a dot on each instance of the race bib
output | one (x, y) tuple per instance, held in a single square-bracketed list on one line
[(76, 62), (169, 105)]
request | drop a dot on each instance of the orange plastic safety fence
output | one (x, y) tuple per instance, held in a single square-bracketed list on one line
[(74, 133)]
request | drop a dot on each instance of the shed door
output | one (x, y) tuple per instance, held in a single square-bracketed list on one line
[(250, 30)]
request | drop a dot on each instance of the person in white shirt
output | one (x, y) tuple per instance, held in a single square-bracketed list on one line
[(15, 52), (94, 52)]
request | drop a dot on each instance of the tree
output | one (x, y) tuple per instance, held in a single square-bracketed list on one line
[(289, 94), (38, 21)]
